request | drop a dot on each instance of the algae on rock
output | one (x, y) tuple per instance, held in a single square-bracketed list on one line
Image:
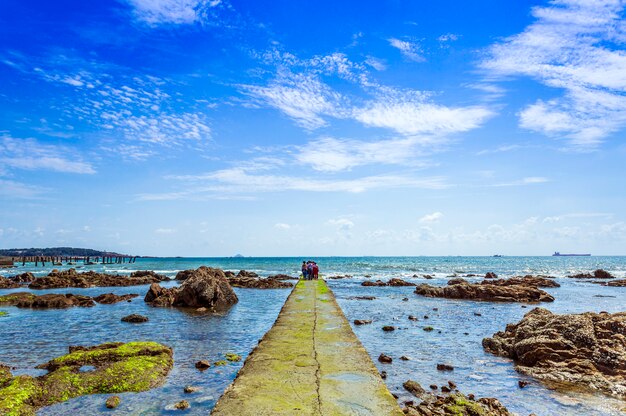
[(118, 368)]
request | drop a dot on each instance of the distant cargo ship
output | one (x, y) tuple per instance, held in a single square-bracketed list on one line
[(557, 254)]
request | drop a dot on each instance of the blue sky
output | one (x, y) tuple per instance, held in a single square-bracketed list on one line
[(209, 128)]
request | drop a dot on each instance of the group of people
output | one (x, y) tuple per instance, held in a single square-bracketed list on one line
[(310, 270)]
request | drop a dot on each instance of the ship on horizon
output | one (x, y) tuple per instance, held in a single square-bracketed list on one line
[(557, 254)]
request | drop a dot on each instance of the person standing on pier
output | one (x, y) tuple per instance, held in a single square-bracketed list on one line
[(304, 270), (316, 270)]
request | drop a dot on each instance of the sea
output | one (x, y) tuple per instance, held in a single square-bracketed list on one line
[(31, 337)]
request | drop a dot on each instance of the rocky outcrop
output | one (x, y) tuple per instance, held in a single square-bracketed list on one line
[(245, 273), (205, 287), (598, 274), (376, 283), (617, 283), (534, 281), (586, 349), (71, 278), (111, 298), (455, 405), (118, 368), (8, 283), (282, 277), (258, 283), (51, 300), (184, 274), (135, 319), (460, 289), (23, 278), (491, 275)]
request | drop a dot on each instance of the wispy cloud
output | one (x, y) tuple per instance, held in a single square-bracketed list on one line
[(30, 154), (165, 230), (158, 12), (499, 149), (18, 190), (409, 50), (530, 180), (573, 45), (282, 226), (431, 218), (342, 224)]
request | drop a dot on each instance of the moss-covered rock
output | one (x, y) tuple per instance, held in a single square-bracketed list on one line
[(117, 368), (3, 313)]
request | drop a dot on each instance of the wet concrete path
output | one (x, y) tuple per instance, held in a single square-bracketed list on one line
[(309, 363)]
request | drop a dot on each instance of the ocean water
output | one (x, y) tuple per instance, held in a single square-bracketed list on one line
[(31, 337)]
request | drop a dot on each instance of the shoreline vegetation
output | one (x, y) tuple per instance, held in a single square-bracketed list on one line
[(585, 350)]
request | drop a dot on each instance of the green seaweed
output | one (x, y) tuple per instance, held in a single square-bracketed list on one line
[(132, 367), (3, 313), (232, 357)]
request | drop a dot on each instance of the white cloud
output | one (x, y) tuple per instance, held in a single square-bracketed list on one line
[(328, 154), (448, 37), (13, 189), (156, 12), (411, 113), (431, 218), (576, 46), (282, 226), (524, 181), (30, 154), (409, 50), (376, 63), (303, 98), (342, 224)]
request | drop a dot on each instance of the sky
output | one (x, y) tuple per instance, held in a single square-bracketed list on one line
[(282, 128)]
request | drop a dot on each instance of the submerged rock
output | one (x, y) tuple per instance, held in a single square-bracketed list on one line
[(613, 283), (362, 321), (258, 283), (586, 349), (206, 287), (112, 402), (182, 405), (111, 298), (71, 278), (50, 300), (413, 387), (376, 283), (282, 277), (460, 289), (118, 368), (135, 319), (385, 359)]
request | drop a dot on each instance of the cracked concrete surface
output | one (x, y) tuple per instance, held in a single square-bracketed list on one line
[(309, 363)]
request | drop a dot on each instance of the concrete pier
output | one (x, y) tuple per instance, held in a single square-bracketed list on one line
[(309, 363)]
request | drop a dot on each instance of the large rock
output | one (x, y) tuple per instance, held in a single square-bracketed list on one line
[(21, 278), (184, 274), (50, 300), (598, 274), (534, 281), (486, 292), (71, 278), (586, 349), (245, 273), (149, 273), (111, 298), (399, 282), (206, 287), (118, 368), (455, 404)]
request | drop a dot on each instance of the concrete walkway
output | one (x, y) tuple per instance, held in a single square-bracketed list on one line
[(309, 363)]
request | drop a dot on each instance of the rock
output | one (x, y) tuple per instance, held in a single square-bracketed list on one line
[(425, 316), (232, 357), (148, 274), (257, 283), (428, 328), (383, 375), (385, 359), (452, 384), (486, 292), (70, 278), (203, 365), (244, 273), (444, 367), (111, 298), (456, 405), (191, 389), (445, 389), (426, 276), (617, 283), (112, 402), (399, 282), (522, 384), (413, 387), (405, 299), (182, 405), (389, 328), (598, 274), (362, 321), (27, 277), (534, 281), (586, 349), (206, 287), (50, 300), (376, 283), (405, 358), (135, 319), (433, 387), (412, 318), (184, 274), (282, 277), (491, 275), (8, 283), (457, 281), (363, 297), (118, 368), (478, 314)]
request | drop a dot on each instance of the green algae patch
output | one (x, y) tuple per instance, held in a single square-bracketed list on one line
[(220, 363), (232, 357), (15, 298), (3, 313), (117, 368)]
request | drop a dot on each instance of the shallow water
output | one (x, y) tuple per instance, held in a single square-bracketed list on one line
[(33, 337)]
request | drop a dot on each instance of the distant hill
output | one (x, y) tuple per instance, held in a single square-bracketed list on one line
[(58, 251)]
